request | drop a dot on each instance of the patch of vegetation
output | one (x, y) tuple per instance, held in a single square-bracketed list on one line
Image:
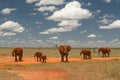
[(85, 70), (9, 75)]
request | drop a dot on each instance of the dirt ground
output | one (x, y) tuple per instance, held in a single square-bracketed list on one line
[(37, 74)]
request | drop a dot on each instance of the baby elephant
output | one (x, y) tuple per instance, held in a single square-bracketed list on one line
[(86, 54), (44, 57), (38, 55)]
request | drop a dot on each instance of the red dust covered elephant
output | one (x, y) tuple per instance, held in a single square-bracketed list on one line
[(64, 51), (86, 53), (105, 51), (17, 53), (38, 55)]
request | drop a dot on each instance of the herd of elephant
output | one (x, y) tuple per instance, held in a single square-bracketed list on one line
[(64, 52)]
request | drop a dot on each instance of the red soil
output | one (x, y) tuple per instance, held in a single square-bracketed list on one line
[(37, 74)]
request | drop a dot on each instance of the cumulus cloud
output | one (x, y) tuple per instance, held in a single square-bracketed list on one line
[(107, 1), (53, 30), (49, 2), (106, 19), (72, 11), (8, 10), (92, 36), (114, 24), (48, 5), (7, 33), (38, 22), (89, 4), (11, 27), (54, 37), (68, 17), (31, 1), (83, 31), (115, 40), (47, 8)]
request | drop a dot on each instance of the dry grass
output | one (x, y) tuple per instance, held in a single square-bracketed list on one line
[(52, 52), (84, 70)]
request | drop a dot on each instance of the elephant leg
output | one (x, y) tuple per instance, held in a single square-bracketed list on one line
[(84, 56), (62, 58), (90, 56), (37, 58), (44, 60), (15, 58), (20, 57), (40, 58), (66, 58), (108, 55), (103, 54)]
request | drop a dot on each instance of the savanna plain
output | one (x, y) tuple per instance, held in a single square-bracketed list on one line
[(97, 68)]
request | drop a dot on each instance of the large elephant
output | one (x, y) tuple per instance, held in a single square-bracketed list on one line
[(86, 53), (17, 52), (105, 51), (64, 51), (38, 55)]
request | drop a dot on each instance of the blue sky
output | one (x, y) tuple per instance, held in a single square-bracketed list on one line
[(45, 23)]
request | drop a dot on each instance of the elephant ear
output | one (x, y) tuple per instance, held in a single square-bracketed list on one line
[(68, 48), (61, 48)]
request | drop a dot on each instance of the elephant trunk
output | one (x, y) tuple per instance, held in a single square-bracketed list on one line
[(13, 54)]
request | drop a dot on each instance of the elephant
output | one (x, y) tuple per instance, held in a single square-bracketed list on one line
[(64, 51), (17, 52), (86, 53), (105, 51), (38, 55), (44, 57)]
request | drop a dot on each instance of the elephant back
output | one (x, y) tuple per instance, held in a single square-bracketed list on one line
[(18, 50), (85, 51), (38, 54), (64, 48), (108, 49)]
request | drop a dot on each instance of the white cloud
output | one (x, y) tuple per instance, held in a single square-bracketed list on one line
[(38, 22), (12, 27), (68, 23), (53, 30), (89, 4), (68, 17), (45, 14), (31, 1), (115, 24), (92, 36), (106, 19), (47, 8), (49, 2), (98, 11), (100, 41), (115, 40), (8, 10), (107, 1), (83, 31), (72, 11), (54, 37), (7, 33)]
